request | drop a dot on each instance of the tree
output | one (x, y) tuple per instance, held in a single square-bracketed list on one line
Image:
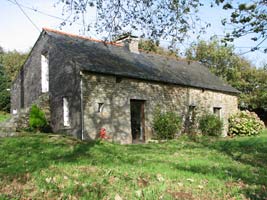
[(151, 46), (170, 19), (247, 18), (219, 59), (10, 63), (167, 19), (4, 93)]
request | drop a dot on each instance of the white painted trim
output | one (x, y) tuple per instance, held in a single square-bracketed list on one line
[(66, 112), (44, 74)]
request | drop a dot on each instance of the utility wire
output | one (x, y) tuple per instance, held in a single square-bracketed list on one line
[(27, 16), (60, 18), (41, 12), (49, 15)]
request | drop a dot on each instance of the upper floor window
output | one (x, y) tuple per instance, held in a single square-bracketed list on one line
[(66, 112), (44, 73)]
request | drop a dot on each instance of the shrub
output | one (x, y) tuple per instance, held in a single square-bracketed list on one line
[(211, 125), (37, 119), (166, 125), (245, 123)]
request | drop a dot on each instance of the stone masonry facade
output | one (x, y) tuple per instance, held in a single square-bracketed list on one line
[(115, 94)]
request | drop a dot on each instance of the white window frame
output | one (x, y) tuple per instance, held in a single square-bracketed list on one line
[(66, 112), (44, 73)]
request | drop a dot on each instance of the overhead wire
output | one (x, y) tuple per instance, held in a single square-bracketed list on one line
[(21, 6), (46, 14), (27, 16)]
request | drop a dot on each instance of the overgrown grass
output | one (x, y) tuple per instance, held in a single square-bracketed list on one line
[(4, 116), (52, 166)]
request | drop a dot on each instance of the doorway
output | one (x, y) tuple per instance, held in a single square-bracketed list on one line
[(137, 120)]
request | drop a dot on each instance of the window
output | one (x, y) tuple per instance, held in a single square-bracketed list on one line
[(66, 113), (14, 112), (100, 107), (118, 79), (44, 74), (192, 113), (217, 111)]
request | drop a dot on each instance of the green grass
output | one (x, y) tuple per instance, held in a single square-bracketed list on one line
[(4, 116), (42, 166)]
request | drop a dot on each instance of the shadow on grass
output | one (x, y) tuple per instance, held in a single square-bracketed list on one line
[(249, 151), (33, 153), (26, 154)]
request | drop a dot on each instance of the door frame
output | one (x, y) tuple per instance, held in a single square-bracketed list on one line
[(142, 117)]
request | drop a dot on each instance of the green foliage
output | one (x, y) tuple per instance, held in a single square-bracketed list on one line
[(166, 125), (37, 119), (10, 63), (219, 59), (245, 123), (247, 19), (148, 45), (163, 19), (4, 116), (4, 92), (211, 125), (151, 46)]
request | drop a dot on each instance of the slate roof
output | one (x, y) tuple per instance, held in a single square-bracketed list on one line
[(98, 57)]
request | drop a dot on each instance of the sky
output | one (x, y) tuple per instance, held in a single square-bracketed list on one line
[(18, 32)]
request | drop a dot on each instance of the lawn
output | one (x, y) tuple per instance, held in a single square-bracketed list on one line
[(43, 166), (4, 116)]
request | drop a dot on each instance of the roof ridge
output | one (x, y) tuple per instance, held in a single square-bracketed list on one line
[(79, 36)]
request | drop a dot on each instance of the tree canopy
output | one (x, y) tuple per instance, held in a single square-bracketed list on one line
[(10, 63), (247, 18), (166, 19), (170, 19), (153, 47)]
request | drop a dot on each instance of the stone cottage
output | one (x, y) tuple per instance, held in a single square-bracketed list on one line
[(92, 84)]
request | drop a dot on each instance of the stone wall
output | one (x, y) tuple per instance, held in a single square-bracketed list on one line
[(206, 101), (16, 95), (26, 88), (116, 94), (64, 81)]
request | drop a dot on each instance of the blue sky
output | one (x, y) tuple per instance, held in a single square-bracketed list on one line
[(17, 32)]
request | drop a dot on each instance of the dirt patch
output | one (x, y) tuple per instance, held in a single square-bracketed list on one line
[(181, 195), (17, 188)]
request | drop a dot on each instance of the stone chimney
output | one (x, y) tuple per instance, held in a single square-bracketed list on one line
[(129, 42)]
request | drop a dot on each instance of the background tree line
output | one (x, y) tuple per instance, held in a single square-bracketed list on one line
[(10, 63)]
